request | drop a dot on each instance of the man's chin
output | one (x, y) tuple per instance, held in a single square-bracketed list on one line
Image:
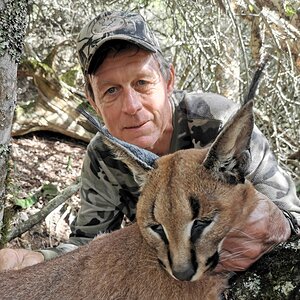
[(142, 142)]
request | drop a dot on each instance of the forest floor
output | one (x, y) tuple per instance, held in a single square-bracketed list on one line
[(42, 165)]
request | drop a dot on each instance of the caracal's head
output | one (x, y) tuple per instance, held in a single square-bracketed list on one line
[(192, 198), (185, 210)]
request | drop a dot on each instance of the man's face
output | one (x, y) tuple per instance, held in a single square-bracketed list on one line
[(133, 99)]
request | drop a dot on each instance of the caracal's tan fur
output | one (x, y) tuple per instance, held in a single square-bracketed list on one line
[(189, 202)]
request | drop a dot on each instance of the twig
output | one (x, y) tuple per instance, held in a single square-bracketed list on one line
[(238, 30), (44, 212)]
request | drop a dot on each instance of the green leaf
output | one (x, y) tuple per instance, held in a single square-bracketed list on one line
[(290, 11), (27, 202), (49, 190), (70, 76), (69, 163)]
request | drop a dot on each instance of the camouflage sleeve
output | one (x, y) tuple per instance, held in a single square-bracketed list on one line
[(270, 179), (108, 192)]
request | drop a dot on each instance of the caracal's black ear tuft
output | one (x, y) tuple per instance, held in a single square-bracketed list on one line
[(138, 160), (229, 156), (255, 79)]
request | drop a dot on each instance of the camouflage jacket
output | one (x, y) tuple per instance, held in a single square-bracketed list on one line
[(109, 192)]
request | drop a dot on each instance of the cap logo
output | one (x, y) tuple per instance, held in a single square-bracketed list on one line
[(112, 25)]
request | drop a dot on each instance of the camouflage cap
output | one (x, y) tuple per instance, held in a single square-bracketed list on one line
[(115, 25)]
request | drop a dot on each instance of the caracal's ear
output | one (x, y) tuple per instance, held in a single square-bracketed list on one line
[(229, 155), (138, 160)]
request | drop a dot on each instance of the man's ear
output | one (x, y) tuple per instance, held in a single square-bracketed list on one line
[(92, 102), (171, 81)]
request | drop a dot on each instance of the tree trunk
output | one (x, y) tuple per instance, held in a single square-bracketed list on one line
[(12, 30), (274, 276), (228, 67)]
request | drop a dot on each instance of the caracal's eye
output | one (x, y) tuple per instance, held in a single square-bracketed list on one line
[(198, 228), (160, 231)]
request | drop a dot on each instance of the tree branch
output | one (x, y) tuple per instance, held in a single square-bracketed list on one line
[(44, 212)]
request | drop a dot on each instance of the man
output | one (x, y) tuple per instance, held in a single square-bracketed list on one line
[(130, 85)]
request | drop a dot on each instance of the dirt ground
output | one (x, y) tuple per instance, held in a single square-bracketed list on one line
[(46, 160)]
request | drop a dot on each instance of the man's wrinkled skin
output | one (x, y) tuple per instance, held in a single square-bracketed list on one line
[(133, 100)]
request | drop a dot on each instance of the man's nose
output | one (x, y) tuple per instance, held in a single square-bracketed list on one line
[(131, 102)]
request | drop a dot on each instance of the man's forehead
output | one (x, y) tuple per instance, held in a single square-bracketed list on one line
[(141, 62)]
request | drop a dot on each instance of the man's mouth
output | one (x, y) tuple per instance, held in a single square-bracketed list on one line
[(136, 126)]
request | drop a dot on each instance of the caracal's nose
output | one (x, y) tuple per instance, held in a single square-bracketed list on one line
[(185, 275)]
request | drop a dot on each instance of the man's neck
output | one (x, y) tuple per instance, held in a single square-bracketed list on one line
[(162, 146)]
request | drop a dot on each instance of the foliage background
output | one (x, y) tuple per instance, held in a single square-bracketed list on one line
[(213, 44)]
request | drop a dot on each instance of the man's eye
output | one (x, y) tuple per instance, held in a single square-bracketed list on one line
[(141, 82), (111, 90)]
